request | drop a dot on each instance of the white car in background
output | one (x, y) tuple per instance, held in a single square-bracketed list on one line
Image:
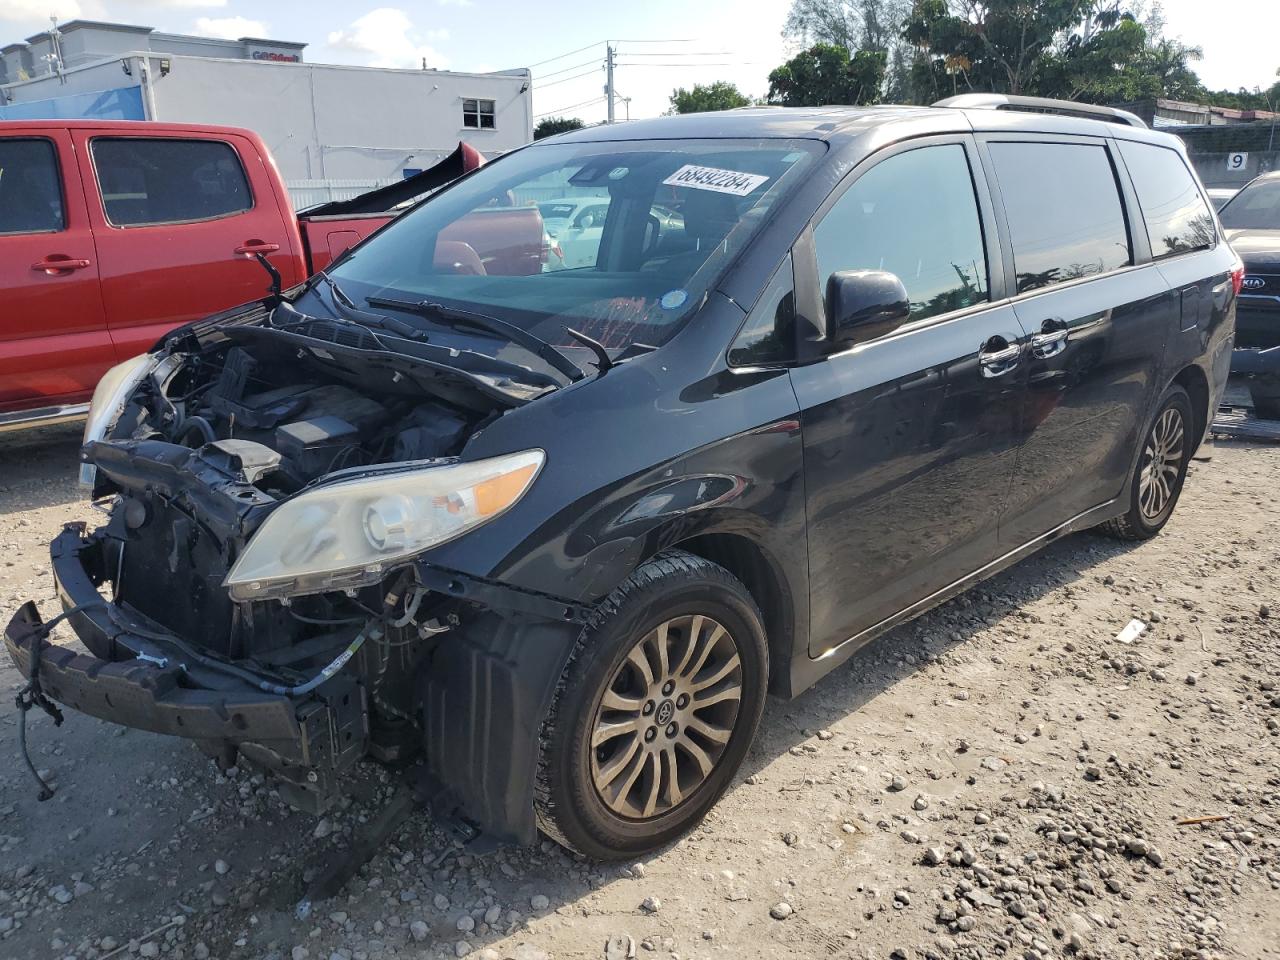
[(576, 227)]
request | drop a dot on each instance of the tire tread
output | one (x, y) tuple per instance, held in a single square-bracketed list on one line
[(670, 563)]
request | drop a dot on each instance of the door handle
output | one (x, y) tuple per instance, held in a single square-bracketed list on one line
[(251, 247), (57, 264), (1050, 343), (997, 357)]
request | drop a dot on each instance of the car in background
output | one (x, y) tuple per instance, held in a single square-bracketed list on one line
[(1218, 196), (576, 227), (1251, 220)]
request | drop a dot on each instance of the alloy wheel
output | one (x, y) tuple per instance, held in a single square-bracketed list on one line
[(1161, 463), (666, 717)]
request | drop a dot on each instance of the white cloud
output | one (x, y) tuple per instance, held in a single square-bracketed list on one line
[(386, 37), (230, 28), (178, 3), (39, 10)]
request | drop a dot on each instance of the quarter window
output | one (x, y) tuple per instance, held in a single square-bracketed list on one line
[(30, 187), (1064, 211), (149, 181), (478, 114), (1178, 220), (916, 216), (769, 334)]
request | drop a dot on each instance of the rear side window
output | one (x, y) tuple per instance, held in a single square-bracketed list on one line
[(1178, 219), (168, 181), (1064, 211), (916, 216), (30, 187)]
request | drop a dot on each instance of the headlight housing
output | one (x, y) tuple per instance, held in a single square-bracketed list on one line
[(109, 399), (346, 534)]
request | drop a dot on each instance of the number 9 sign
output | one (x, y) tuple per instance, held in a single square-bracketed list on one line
[(1237, 161)]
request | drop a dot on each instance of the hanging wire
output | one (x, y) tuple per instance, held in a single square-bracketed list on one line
[(572, 106), (576, 66)]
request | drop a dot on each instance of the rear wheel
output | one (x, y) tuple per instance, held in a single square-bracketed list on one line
[(1162, 469), (655, 711)]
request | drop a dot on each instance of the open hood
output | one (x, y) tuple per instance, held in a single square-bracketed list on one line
[(383, 200)]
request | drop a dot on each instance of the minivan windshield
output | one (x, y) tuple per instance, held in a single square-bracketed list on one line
[(618, 240), (1256, 207)]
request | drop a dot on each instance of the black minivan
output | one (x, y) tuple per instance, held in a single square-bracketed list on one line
[(546, 529)]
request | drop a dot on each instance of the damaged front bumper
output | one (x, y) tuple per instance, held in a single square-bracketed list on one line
[(480, 703), (139, 675)]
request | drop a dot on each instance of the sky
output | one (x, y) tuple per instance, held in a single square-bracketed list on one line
[(660, 44)]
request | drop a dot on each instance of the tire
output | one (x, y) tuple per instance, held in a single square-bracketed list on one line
[(1151, 503), (628, 795)]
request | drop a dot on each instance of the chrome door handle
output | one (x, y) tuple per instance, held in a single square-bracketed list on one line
[(996, 363), (1049, 344)]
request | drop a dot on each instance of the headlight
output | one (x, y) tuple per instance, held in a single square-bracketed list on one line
[(109, 398), (346, 534)]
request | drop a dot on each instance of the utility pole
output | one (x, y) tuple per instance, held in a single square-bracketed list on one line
[(608, 74)]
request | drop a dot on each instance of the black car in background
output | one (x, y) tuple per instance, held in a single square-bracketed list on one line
[(554, 536), (1251, 222)]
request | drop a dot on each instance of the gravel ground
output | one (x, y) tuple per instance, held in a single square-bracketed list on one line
[(1002, 777)]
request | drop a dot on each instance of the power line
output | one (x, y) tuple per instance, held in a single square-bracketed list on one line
[(563, 55), (576, 76), (677, 53), (576, 66), (572, 106), (726, 63)]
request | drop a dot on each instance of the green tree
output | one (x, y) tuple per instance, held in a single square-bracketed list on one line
[(550, 126), (825, 74), (706, 97), (858, 25)]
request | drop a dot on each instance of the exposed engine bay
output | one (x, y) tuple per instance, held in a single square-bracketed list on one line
[(231, 423)]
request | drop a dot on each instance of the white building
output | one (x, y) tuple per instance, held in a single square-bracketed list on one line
[(338, 128)]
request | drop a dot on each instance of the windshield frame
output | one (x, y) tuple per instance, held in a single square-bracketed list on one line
[(705, 278)]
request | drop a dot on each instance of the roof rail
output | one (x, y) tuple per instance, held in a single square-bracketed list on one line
[(1068, 108)]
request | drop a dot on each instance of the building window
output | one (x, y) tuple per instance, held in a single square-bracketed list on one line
[(477, 114)]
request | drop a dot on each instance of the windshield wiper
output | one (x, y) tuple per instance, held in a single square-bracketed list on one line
[(438, 311), (353, 314)]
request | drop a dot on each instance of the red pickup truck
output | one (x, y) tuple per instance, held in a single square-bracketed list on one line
[(114, 232)]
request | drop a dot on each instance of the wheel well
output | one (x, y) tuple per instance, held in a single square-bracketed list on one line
[(746, 561), (1192, 379)]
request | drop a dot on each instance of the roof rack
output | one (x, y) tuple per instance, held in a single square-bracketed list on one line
[(1068, 108)]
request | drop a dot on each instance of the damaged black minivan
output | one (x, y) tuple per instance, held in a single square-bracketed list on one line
[(544, 486)]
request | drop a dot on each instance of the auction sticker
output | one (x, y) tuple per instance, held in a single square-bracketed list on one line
[(713, 178)]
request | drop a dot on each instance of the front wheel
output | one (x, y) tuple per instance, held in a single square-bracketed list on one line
[(655, 711), (1162, 468)]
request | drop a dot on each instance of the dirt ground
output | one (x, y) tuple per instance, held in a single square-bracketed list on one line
[(1002, 777)]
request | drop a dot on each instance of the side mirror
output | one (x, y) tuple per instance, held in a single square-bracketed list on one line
[(864, 304)]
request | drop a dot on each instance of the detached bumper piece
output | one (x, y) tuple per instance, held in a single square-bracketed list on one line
[(147, 680)]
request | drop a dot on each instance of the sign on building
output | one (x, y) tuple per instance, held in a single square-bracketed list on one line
[(1237, 161)]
